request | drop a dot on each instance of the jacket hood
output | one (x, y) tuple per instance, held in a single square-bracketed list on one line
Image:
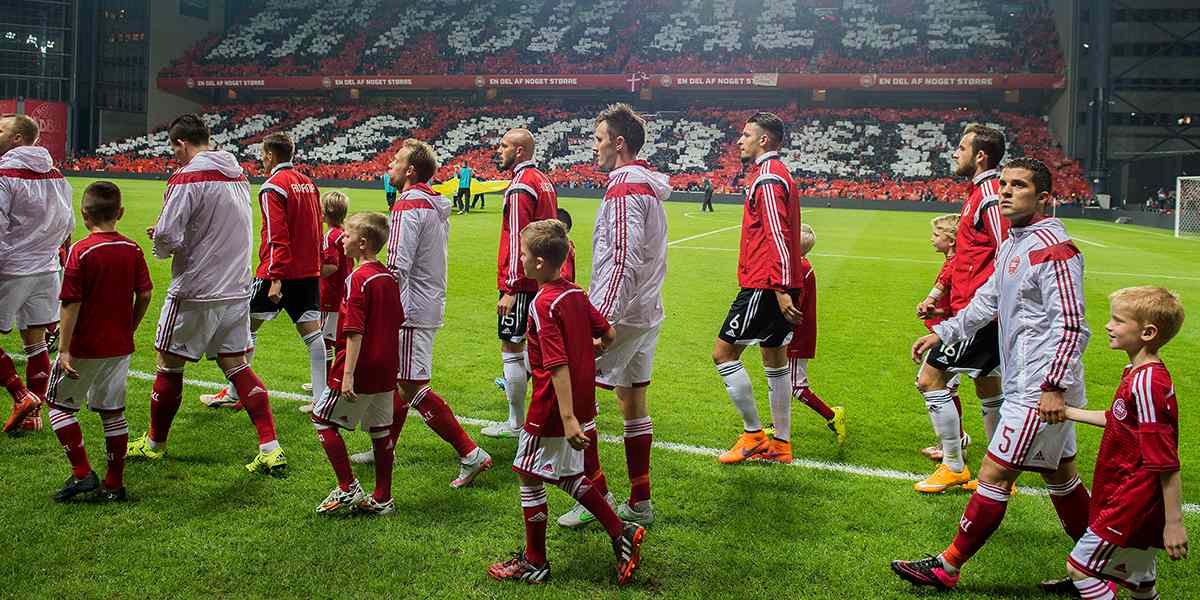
[(1050, 224), (218, 160), (438, 201), (34, 158), (640, 171)]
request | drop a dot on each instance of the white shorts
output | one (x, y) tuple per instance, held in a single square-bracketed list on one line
[(629, 361), (799, 370), (29, 300), (193, 330), (416, 354), (1023, 442), (1130, 567), (547, 458), (329, 323), (370, 410), (101, 381)]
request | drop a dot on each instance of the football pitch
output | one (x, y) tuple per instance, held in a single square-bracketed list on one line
[(199, 525)]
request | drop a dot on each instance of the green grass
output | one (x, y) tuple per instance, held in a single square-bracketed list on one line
[(199, 525)]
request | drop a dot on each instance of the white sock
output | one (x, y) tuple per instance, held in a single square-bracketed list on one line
[(316, 363), (1091, 588), (1148, 594), (990, 407), (515, 382), (229, 389), (779, 390), (270, 446), (946, 425), (737, 383)]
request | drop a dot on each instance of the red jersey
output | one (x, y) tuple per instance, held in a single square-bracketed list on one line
[(562, 324), (104, 270), (333, 288), (530, 197), (1141, 441), (979, 235), (943, 303), (371, 308), (568, 267), (291, 226), (770, 255), (804, 335)]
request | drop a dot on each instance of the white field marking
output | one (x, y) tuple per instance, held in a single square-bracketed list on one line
[(705, 234), (1136, 229), (803, 463), (1088, 272), (1079, 239)]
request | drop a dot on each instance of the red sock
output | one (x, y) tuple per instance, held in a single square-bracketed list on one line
[(958, 407), (8, 376), (808, 397), (533, 505), (37, 369), (254, 397), (165, 399), (1071, 501), (440, 419), (66, 427), (399, 415), (385, 456), (982, 518), (335, 449), (116, 440), (639, 436), (580, 488), (591, 461)]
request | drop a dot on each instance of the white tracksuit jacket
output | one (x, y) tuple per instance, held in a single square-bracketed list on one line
[(35, 212), (418, 253), (1036, 295)]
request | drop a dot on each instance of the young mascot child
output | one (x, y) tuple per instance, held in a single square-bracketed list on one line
[(1136, 499), (105, 294), (364, 370), (335, 268), (934, 309), (562, 341)]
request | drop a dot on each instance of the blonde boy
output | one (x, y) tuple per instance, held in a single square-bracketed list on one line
[(1136, 505), (335, 268), (934, 309)]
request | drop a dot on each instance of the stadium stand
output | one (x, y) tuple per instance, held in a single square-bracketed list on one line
[(862, 153), (311, 37)]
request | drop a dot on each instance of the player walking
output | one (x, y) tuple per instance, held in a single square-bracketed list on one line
[(35, 218), (766, 309), (1036, 296), (530, 197), (206, 229)]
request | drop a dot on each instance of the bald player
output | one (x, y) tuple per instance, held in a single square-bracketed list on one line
[(530, 197)]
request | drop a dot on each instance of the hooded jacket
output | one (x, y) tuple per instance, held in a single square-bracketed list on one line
[(205, 229), (629, 247), (418, 254), (1035, 293), (35, 212)]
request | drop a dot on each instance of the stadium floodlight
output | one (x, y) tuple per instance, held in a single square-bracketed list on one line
[(1187, 206)]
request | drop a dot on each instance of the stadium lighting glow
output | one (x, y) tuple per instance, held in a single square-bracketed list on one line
[(1086, 46)]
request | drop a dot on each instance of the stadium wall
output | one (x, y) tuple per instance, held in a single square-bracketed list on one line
[(171, 34)]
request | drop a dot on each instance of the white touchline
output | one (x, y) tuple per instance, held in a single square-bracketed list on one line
[(802, 463), (1079, 239), (705, 234)]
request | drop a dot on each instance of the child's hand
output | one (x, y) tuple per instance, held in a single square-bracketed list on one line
[(574, 433), (598, 346), (64, 363), (925, 308), (348, 387), (1175, 540)]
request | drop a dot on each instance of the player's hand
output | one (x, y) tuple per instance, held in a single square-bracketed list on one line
[(1052, 407), (925, 308), (788, 308), (598, 346), (506, 303), (150, 232), (923, 344), (1175, 540), (64, 363), (348, 387), (275, 292), (574, 433)]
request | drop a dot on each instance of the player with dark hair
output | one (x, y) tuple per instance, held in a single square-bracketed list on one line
[(35, 218), (766, 309), (1035, 296), (530, 197), (981, 230), (289, 261)]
